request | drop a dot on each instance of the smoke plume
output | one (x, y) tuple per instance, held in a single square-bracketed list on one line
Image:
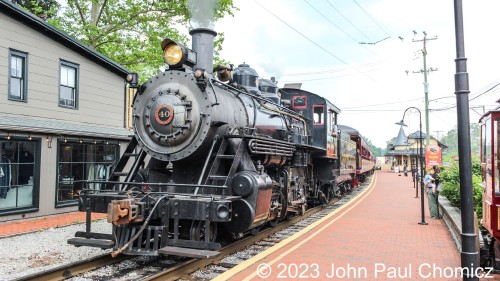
[(202, 13)]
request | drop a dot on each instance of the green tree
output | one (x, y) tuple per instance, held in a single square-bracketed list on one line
[(130, 31), (376, 150), (44, 9), (389, 144), (451, 139)]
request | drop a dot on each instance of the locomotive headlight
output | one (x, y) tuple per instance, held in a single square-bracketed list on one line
[(176, 55), (222, 211), (172, 54)]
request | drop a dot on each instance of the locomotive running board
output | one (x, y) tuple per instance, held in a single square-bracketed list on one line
[(186, 252)]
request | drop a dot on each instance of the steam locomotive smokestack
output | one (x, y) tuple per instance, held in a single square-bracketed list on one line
[(203, 45), (202, 23)]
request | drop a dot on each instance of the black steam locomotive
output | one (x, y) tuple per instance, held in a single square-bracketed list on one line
[(217, 157)]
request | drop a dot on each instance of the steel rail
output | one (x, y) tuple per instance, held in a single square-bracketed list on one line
[(73, 269), (191, 266)]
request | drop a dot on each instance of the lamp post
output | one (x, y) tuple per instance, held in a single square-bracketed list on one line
[(469, 254), (420, 153), (414, 170)]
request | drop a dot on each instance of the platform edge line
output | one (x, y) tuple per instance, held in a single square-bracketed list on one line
[(248, 263)]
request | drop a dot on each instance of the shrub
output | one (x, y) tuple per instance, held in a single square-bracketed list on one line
[(450, 176)]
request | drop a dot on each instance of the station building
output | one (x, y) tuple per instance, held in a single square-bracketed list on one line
[(63, 116), (406, 149)]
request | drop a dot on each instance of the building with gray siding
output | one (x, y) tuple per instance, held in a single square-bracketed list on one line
[(63, 117)]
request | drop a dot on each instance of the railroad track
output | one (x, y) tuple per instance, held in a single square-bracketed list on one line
[(192, 265), (73, 269), (182, 267)]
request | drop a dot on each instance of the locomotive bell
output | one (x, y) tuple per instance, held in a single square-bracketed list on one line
[(224, 72)]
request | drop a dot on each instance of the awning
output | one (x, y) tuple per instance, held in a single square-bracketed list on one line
[(408, 152), (52, 126)]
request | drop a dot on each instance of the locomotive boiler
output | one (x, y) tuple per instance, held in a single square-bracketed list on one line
[(216, 155)]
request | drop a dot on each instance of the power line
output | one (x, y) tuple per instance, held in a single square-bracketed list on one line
[(332, 70), (336, 76), (490, 89), (364, 11), (348, 20), (454, 106), (370, 110), (371, 105), (331, 22), (301, 34), (310, 40), (338, 27)]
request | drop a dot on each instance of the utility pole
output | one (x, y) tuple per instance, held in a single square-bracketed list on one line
[(426, 85), (437, 134)]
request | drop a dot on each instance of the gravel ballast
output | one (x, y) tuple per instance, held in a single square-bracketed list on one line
[(30, 253)]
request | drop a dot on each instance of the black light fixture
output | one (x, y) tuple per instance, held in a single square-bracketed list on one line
[(49, 141), (8, 136), (133, 80), (29, 136), (420, 154)]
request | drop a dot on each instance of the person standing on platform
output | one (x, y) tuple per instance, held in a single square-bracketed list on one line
[(431, 193), (437, 182)]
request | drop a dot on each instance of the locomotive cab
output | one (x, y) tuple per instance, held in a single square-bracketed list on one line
[(269, 89)]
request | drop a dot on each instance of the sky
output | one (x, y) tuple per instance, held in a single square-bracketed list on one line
[(319, 43)]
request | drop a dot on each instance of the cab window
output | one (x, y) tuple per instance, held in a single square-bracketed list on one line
[(318, 115), (299, 102)]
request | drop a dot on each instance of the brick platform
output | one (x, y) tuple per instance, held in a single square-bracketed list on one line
[(29, 225), (376, 237)]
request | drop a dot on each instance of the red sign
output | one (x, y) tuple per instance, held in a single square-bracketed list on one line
[(164, 114), (433, 155)]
